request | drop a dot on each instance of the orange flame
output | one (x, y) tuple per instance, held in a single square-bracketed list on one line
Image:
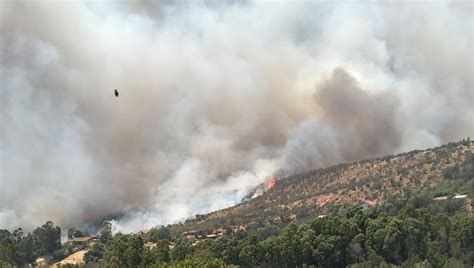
[(271, 183)]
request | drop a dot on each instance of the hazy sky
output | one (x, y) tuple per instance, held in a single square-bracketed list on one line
[(214, 97)]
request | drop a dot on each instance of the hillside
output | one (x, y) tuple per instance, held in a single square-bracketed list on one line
[(317, 192), (420, 215)]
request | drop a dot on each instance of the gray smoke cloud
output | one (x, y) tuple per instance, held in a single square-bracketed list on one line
[(214, 97)]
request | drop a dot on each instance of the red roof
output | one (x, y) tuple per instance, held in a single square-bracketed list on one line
[(371, 202)]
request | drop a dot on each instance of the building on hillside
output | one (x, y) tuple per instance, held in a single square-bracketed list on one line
[(193, 233), (150, 245), (212, 236), (81, 242), (41, 262), (440, 198), (219, 232), (83, 239), (368, 203), (143, 232), (460, 196)]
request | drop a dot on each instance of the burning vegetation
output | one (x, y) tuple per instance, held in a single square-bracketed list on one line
[(271, 183)]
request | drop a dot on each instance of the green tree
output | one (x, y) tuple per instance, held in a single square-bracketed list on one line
[(9, 252), (105, 234), (47, 238), (134, 251), (393, 242), (159, 254), (27, 248), (248, 255), (161, 233), (124, 251), (73, 233), (95, 253), (181, 250)]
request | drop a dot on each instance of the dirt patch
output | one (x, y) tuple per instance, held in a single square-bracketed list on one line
[(75, 258)]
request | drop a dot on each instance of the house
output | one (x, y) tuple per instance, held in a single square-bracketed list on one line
[(191, 237), (81, 242), (41, 262), (150, 245), (211, 236), (83, 239), (219, 232), (439, 198), (460, 196), (321, 216), (143, 232), (368, 203), (193, 233)]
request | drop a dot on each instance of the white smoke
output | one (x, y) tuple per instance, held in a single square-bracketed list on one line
[(214, 97)]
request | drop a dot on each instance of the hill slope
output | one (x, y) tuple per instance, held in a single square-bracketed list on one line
[(307, 195)]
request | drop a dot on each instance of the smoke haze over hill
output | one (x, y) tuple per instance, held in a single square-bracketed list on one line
[(214, 97)]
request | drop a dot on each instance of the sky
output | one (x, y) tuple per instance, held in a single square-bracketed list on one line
[(215, 97)]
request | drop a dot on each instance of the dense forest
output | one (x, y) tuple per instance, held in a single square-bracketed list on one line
[(424, 228)]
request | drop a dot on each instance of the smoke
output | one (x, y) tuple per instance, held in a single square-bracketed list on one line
[(214, 97)]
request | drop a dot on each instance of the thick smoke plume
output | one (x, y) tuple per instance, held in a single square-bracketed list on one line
[(214, 97)]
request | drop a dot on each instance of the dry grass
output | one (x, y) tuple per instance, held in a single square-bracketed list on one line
[(75, 258)]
